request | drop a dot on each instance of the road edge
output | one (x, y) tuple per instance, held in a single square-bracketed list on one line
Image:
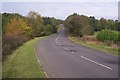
[(39, 60), (91, 48)]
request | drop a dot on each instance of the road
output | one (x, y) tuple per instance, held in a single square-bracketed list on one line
[(61, 58)]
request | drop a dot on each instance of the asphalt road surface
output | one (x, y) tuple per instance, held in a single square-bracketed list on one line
[(61, 58)]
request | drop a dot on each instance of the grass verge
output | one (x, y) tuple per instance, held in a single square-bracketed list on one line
[(101, 47), (23, 62)]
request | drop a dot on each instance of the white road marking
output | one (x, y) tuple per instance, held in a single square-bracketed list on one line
[(82, 56), (72, 52), (96, 63), (57, 39), (66, 49), (58, 36), (40, 63), (46, 74), (58, 44)]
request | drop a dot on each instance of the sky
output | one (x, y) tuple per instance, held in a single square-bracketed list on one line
[(60, 10), (59, 0)]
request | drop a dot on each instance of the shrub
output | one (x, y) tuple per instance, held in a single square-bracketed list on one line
[(108, 35)]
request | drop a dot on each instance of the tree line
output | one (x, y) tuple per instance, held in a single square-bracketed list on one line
[(17, 29), (81, 25)]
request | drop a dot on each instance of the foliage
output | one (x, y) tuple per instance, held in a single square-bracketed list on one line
[(78, 25), (108, 35), (6, 17), (53, 22), (101, 24), (17, 29), (36, 22), (48, 29), (16, 33), (94, 23)]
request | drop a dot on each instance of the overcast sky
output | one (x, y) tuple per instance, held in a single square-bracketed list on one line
[(106, 9), (60, 0)]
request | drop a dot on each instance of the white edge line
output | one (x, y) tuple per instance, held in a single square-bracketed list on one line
[(96, 63), (39, 61)]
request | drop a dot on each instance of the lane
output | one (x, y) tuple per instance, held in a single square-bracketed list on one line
[(61, 58)]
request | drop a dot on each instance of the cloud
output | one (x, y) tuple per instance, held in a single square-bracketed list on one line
[(60, 0), (61, 10)]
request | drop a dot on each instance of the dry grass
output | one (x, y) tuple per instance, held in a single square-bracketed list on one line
[(92, 42)]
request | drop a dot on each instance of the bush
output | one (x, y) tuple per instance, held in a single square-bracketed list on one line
[(108, 35)]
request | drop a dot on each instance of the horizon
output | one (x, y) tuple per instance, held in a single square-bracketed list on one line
[(58, 18), (61, 10)]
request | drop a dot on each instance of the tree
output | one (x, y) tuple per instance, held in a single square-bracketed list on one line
[(17, 27), (53, 22), (94, 23), (16, 33), (103, 23), (78, 25), (115, 26), (48, 29), (6, 17), (36, 22)]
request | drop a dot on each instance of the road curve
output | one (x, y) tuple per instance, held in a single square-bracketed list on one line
[(61, 58)]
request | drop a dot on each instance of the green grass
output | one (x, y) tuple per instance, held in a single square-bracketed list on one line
[(22, 63), (101, 47), (95, 34)]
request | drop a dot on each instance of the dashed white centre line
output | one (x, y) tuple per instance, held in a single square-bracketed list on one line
[(57, 39), (82, 56), (96, 62), (72, 52), (67, 49)]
